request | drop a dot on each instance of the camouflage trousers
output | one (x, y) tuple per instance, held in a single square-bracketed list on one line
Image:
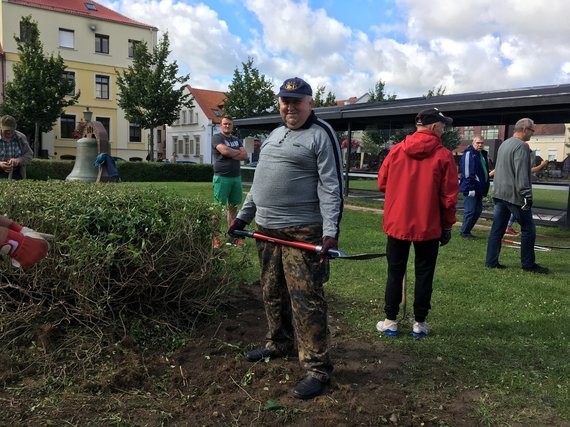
[(292, 280)]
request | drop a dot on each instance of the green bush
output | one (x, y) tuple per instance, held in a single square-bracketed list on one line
[(119, 252), (164, 172), (128, 171), (49, 169)]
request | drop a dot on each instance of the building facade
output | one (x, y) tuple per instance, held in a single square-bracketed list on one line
[(95, 42), (190, 137)]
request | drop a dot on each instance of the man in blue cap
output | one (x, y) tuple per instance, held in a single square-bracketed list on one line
[(296, 195)]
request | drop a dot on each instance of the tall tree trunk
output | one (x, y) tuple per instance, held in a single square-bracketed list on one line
[(151, 145), (37, 140)]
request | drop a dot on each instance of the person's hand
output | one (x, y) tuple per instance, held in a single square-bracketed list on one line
[(328, 243), (6, 166), (14, 162), (445, 237), (237, 224), (527, 204), (471, 193)]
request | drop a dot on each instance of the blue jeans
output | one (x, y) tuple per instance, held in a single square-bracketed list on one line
[(472, 208), (501, 214)]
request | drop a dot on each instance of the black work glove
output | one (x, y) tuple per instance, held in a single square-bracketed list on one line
[(445, 237), (527, 204), (237, 224), (328, 243)]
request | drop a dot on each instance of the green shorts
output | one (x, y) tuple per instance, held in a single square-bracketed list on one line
[(227, 190)]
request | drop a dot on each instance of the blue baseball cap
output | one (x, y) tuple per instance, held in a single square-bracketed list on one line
[(295, 88)]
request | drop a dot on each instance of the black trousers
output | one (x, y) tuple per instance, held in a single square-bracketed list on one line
[(398, 252)]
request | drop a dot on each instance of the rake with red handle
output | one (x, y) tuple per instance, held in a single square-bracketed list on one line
[(333, 253)]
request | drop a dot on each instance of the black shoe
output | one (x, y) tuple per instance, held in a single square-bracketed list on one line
[(308, 388), (498, 266), (537, 269), (258, 354), (468, 236)]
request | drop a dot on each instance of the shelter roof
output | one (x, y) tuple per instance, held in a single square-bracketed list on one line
[(544, 104)]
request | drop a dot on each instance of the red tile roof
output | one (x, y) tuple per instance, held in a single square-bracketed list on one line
[(78, 7), (209, 101), (350, 100)]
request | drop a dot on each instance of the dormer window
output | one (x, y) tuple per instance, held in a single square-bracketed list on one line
[(90, 6)]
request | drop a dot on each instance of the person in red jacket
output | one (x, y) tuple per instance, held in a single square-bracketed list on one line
[(420, 182)]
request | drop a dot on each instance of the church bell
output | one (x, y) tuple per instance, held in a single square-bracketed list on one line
[(84, 168)]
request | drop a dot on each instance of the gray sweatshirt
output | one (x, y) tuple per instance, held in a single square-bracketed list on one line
[(512, 172), (298, 179)]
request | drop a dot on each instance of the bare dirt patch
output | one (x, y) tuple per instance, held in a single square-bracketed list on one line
[(209, 383)]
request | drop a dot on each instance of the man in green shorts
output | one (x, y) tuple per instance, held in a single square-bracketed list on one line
[(228, 152)]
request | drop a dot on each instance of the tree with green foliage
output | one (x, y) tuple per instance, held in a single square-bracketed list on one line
[(377, 142), (250, 93), (439, 91), (150, 92), (37, 95), (320, 101), (378, 94), (451, 138)]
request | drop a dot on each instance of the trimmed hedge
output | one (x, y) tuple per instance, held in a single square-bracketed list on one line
[(128, 171), (119, 252)]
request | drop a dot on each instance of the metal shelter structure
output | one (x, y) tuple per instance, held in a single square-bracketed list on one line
[(544, 104)]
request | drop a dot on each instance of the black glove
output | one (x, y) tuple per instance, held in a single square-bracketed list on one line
[(527, 204), (328, 243), (445, 237), (237, 224)]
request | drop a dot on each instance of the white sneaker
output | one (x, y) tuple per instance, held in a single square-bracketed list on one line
[(420, 329), (388, 327)]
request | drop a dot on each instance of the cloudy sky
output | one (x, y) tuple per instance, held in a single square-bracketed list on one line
[(348, 45)]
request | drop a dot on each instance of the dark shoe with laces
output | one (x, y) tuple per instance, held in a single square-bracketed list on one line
[(497, 266), (308, 388), (259, 353), (537, 269)]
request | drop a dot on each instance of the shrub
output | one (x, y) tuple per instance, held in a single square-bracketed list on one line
[(49, 169), (128, 171), (118, 253), (164, 172)]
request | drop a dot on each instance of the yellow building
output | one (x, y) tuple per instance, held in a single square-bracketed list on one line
[(94, 42)]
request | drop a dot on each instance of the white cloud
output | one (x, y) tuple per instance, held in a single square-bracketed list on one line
[(469, 45), (201, 43)]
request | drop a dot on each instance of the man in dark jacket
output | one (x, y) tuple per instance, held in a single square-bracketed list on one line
[(419, 179), (474, 169)]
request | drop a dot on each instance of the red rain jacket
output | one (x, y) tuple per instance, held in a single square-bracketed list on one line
[(420, 182)]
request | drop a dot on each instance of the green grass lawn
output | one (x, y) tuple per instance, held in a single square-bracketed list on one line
[(551, 199), (501, 334)]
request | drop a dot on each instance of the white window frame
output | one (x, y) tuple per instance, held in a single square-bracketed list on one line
[(66, 38), (186, 145), (98, 92), (197, 145), (552, 154)]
